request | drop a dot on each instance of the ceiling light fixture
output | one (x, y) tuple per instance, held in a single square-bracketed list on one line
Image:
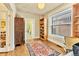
[(41, 5)]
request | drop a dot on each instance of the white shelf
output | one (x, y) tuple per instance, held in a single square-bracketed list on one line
[(62, 24), (77, 23)]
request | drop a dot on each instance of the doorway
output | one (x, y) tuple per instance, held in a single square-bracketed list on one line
[(29, 29)]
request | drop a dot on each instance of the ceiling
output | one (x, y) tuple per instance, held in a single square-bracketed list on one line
[(3, 7), (32, 8)]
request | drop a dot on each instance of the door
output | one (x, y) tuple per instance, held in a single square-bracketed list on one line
[(19, 31)]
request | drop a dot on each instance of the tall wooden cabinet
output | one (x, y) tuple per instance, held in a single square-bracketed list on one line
[(76, 20), (19, 31), (43, 29)]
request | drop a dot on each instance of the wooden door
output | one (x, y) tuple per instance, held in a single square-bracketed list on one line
[(19, 31)]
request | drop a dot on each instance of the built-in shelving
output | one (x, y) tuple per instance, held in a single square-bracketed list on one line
[(43, 32), (76, 20), (42, 29), (2, 32)]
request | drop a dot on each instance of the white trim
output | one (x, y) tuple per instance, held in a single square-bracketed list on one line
[(61, 12), (13, 7), (71, 21)]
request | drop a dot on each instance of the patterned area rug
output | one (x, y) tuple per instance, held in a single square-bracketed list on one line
[(38, 48)]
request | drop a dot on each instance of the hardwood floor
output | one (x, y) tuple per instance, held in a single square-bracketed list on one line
[(19, 51), (55, 46), (23, 50)]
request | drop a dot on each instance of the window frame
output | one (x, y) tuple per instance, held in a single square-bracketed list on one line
[(59, 14)]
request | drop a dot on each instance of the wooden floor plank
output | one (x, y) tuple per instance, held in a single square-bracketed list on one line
[(19, 51)]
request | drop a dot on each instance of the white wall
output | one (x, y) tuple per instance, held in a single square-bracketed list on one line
[(59, 9)]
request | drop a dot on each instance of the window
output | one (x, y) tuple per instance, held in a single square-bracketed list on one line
[(61, 23)]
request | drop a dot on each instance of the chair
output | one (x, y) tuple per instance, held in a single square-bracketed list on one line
[(70, 41)]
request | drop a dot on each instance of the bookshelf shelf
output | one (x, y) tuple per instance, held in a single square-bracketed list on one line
[(77, 16), (76, 20), (43, 29)]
